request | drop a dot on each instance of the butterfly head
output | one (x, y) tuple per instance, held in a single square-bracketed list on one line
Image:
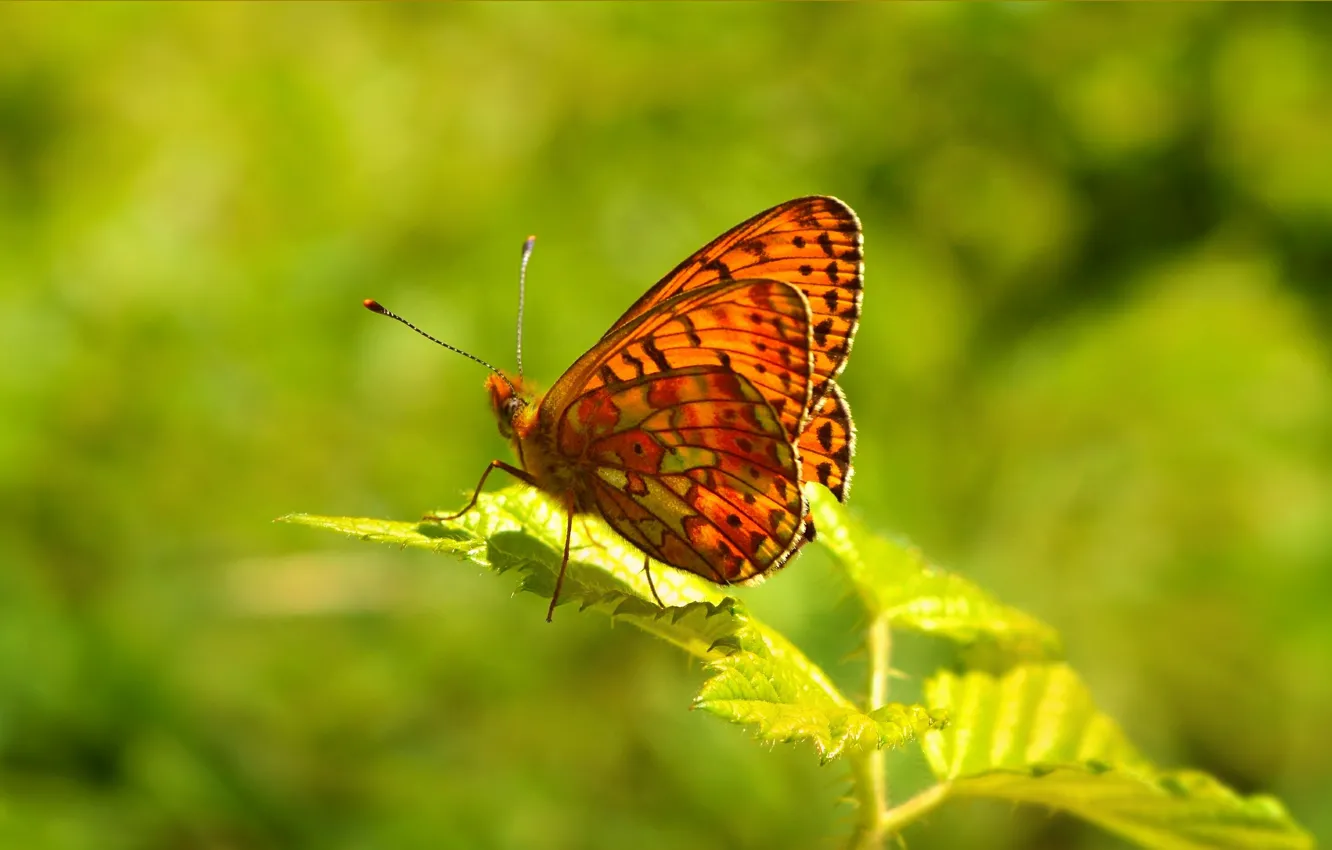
[(509, 401)]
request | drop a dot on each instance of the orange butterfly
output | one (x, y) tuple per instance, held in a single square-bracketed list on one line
[(692, 424)]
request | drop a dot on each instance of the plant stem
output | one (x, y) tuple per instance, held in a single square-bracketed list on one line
[(899, 816), (880, 649), (869, 777)]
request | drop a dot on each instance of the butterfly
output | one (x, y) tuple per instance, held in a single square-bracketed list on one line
[(691, 425)]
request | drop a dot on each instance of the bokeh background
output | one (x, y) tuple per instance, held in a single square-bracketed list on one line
[(1093, 375)]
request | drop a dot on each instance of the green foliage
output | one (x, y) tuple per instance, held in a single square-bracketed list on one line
[(757, 677), (1034, 736), (896, 582), (772, 687), (1031, 736)]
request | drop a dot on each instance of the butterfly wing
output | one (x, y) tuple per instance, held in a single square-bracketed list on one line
[(827, 443), (666, 434), (756, 328), (812, 243), (708, 483)]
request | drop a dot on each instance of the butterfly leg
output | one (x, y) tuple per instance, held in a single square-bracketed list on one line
[(652, 587), (520, 474), (564, 562)]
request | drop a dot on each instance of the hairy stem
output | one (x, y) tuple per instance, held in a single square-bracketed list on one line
[(869, 777)]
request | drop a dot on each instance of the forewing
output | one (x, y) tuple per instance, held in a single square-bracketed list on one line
[(758, 329), (827, 443), (813, 243), (697, 472)]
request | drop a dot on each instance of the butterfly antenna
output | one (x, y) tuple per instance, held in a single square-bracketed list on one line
[(375, 307), (522, 288)]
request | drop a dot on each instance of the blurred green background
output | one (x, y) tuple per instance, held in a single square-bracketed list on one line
[(1093, 375)]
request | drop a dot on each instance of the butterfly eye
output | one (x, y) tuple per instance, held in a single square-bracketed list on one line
[(512, 405), (506, 412)]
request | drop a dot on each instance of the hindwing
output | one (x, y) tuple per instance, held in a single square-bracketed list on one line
[(827, 443), (708, 483), (681, 429)]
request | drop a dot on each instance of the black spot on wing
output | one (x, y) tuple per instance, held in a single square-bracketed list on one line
[(723, 271), (655, 354), (690, 333), (825, 436), (821, 331), (607, 375), (757, 246), (631, 360)]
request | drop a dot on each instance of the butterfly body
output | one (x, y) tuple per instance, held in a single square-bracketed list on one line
[(691, 425)]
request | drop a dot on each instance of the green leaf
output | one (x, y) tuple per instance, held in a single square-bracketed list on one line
[(520, 530), (771, 686), (757, 677), (1034, 736), (895, 581)]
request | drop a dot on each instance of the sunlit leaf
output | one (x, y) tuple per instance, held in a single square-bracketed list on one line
[(757, 678), (519, 530), (762, 681), (1034, 736), (772, 687), (895, 581)]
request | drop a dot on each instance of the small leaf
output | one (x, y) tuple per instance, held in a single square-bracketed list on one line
[(772, 687), (895, 581), (757, 677), (1034, 736)]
